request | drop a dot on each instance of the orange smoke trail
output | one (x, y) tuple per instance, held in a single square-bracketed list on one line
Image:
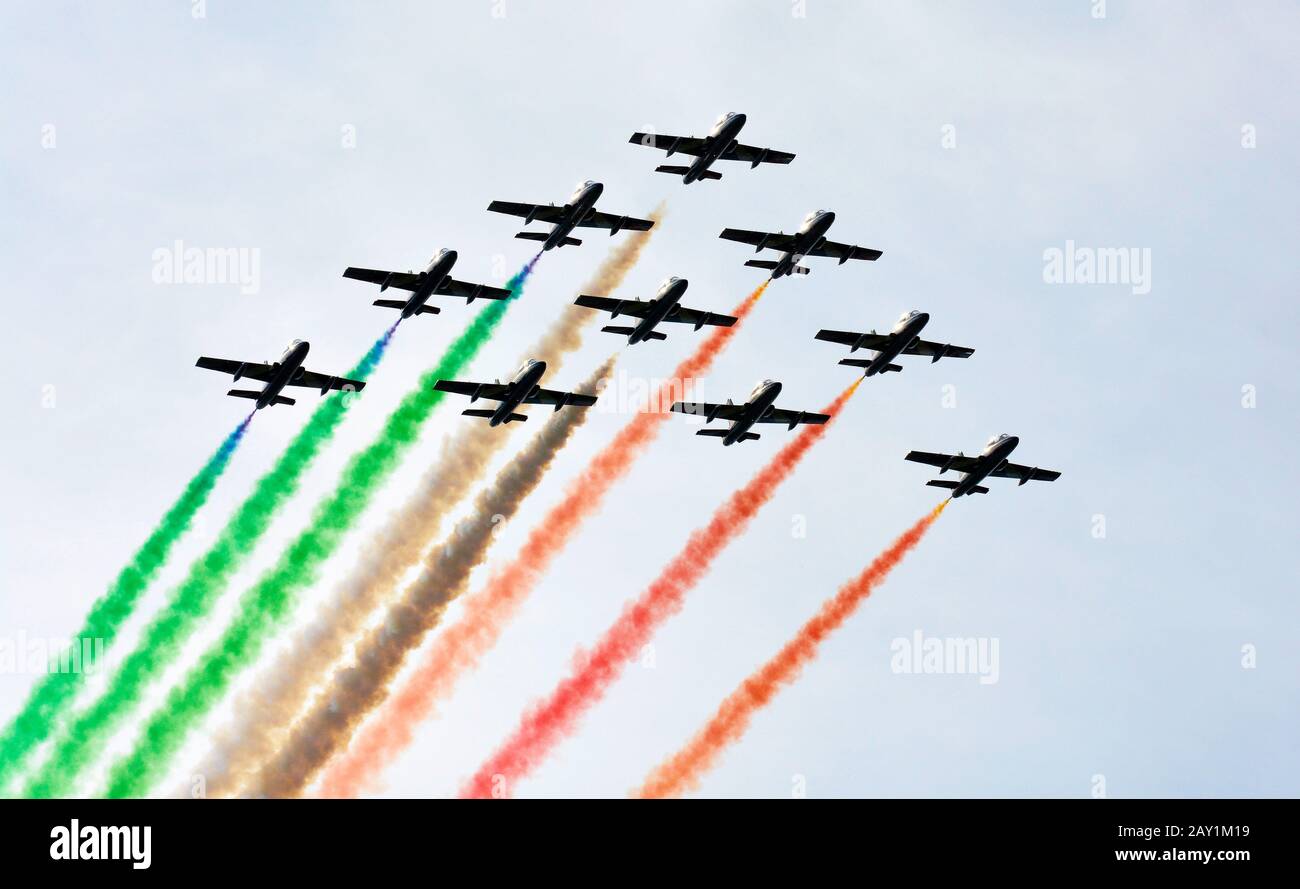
[(550, 721), (682, 771), (460, 646)]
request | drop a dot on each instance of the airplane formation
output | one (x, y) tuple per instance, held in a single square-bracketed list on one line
[(665, 307)]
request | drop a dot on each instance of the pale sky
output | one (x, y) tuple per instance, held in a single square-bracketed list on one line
[(1168, 127)]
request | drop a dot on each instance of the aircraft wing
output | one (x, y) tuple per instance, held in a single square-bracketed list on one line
[(309, 379), (709, 409), (793, 418), (401, 280), (683, 315), (759, 239), (845, 252), (875, 341), (754, 156), (1025, 473), (961, 463), (560, 399), (938, 350), (634, 307), (492, 391), (465, 290), (252, 370), (538, 212), (671, 144), (615, 223)]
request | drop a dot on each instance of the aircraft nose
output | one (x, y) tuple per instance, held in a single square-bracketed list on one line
[(596, 188), (739, 118), (829, 216), (450, 254), (1013, 440), (924, 317), (537, 362)]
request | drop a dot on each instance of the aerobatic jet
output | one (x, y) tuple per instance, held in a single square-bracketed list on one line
[(288, 371), (720, 144), (760, 408), (809, 240), (523, 388), (666, 306), (435, 280), (992, 462), (904, 339), (579, 212)]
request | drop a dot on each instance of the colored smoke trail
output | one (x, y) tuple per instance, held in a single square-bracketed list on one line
[(458, 648), (35, 721), (263, 608), (161, 641), (551, 720), (682, 771), (264, 712), (358, 689)]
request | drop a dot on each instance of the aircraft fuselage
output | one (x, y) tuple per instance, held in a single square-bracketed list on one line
[(807, 239), (431, 281), (760, 403), (581, 203), (993, 456), (905, 333), (287, 368), (720, 140), (524, 384), (669, 295)]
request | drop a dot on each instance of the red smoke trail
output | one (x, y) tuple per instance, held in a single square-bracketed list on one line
[(458, 648), (682, 771), (547, 723)]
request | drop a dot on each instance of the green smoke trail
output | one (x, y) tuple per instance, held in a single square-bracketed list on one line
[(265, 606), (30, 727), (162, 639)]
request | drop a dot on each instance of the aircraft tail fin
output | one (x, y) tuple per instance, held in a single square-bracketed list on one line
[(389, 303)]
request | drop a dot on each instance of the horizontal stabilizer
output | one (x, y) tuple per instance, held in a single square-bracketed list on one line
[(282, 399), (891, 367), (857, 362), (428, 310), (656, 335), (569, 242), (476, 412), (669, 168), (750, 436), (614, 328), (802, 270), (532, 236), (710, 174), (979, 489), (761, 264), (390, 303), (516, 418), (713, 433), (244, 393), (942, 483)]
